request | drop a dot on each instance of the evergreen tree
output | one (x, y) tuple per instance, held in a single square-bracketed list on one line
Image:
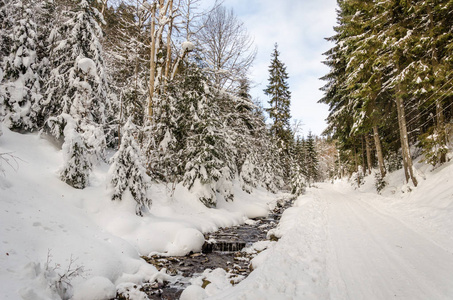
[(209, 152), (271, 166), (22, 88), (279, 110), (77, 165), (247, 126), (6, 25), (298, 180), (280, 100), (128, 171), (249, 173), (77, 84), (311, 159), (167, 139), (77, 87), (127, 55), (191, 140), (298, 173)]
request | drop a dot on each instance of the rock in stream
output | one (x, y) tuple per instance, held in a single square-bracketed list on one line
[(222, 249)]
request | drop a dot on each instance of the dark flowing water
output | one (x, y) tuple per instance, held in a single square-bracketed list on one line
[(222, 250)]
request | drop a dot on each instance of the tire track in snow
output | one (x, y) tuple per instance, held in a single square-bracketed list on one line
[(377, 257)]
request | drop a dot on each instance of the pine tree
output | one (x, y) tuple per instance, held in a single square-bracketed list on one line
[(167, 138), (128, 171), (247, 127), (280, 100), (191, 141), (311, 159), (279, 111), (209, 152), (249, 173), (6, 25), (298, 173), (298, 180), (77, 164), (77, 84), (22, 88), (271, 166), (77, 87), (127, 56)]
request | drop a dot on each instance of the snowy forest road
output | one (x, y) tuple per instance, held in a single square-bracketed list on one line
[(371, 254), (338, 243)]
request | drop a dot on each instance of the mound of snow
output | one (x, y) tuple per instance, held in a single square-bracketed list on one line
[(187, 46), (87, 66), (96, 288)]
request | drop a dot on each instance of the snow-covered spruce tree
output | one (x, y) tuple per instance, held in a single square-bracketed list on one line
[(248, 173), (21, 81), (77, 84), (311, 159), (298, 181), (77, 165), (271, 167), (77, 87), (167, 140), (246, 125), (127, 170), (127, 57), (280, 102), (208, 153), (298, 172), (6, 24)]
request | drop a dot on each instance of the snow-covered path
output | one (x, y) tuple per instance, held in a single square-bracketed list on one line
[(373, 255), (339, 243)]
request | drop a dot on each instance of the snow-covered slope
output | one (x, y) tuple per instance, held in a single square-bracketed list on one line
[(338, 242), (49, 229)]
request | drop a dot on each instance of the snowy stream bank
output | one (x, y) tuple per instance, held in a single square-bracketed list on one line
[(49, 229), (227, 253)]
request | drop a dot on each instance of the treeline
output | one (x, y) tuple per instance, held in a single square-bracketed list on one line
[(390, 84), (163, 82)]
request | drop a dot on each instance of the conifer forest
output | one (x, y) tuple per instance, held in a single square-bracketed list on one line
[(162, 82), (390, 84), (143, 154)]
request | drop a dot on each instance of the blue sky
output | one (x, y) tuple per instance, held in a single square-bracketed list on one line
[(299, 27)]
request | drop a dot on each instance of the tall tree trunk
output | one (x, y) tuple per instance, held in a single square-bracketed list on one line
[(368, 153), (152, 64), (439, 109), (156, 37), (379, 153), (170, 28), (407, 159), (363, 155)]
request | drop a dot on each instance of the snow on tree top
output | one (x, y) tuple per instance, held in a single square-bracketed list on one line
[(87, 66), (187, 46)]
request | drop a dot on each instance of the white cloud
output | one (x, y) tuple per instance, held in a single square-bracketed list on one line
[(300, 28)]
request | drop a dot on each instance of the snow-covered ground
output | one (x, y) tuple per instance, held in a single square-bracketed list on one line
[(80, 243), (338, 242)]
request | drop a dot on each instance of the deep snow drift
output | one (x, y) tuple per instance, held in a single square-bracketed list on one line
[(59, 241)]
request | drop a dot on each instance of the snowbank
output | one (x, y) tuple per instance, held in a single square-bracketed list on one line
[(427, 207), (49, 230)]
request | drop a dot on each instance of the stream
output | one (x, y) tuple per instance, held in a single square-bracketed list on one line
[(222, 249)]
